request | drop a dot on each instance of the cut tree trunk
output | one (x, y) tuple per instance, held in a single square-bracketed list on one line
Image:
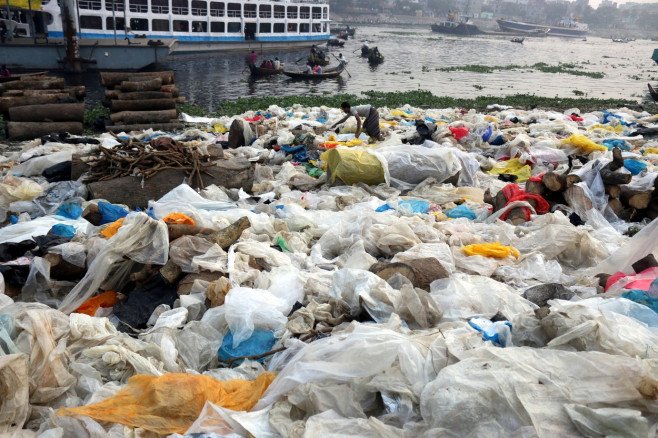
[(60, 269), (613, 178), (150, 85), (31, 130), (646, 262), (112, 79), (559, 183), (52, 112), (10, 102), (615, 205), (535, 187), (142, 105), (613, 191), (227, 236), (635, 198), (179, 230), (137, 95), (617, 161), (48, 84), (144, 117)]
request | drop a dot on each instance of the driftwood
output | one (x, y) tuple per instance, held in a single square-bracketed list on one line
[(142, 105), (112, 79), (53, 112), (143, 117), (30, 130), (150, 85)]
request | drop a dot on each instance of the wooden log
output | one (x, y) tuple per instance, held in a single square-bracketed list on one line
[(646, 262), (79, 92), (576, 196), (227, 236), (613, 191), (617, 161), (142, 105), (535, 187), (137, 95), (175, 92), (128, 190), (31, 130), (613, 178), (615, 205), (60, 269), (652, 210), (559, 183), (150, 85), (168, 127), (171, 272), (142, 117), (179, 230), (112, 79), (635, 198), (10, 102), (421, 272), (47, 84), (50, 112), (92, 214), (180, 99)]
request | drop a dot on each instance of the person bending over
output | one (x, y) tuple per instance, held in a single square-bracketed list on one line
[(370, 118)]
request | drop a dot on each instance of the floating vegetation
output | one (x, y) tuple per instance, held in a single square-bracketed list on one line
[(396, 32), (420, 98), (570, 69), (478, 87), (425, 69), (578, 93)]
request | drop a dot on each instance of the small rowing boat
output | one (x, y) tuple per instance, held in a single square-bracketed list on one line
[(653, 93), (316, 60), (259, 71), (326, 74), (517, 40), (375, 57)]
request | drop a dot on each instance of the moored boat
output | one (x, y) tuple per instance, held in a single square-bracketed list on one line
[(259, 71), (655, 55), (653, 92), (517, 40), (326, 74), (334, 42), (456, 26), (349, 31), (317, 60), (567, 28)]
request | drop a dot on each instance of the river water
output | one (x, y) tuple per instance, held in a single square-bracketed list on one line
[(413, 54)]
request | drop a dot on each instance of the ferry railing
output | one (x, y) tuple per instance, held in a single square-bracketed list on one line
[(159, 9), (304, 15), (249, 14), (233, 14), (95, 6), (279, 15), (199, 11), (292, 15), (180, 11), (265, 14), (138, 8), (217, 12)]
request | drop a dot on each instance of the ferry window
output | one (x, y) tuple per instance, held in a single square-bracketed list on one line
[(160, 25), (234, 27), (117, 5), (140, 24), (249, 11), (109, 23), (199, 8), (304, 12), (265, 28), (199, 26), (325, 12), (89, 22), (292, 11), (265, 11), (279, 28), (316, 27), (94, 5), (324, 27), (181, 26), (160, 7), (216, 9), (217, 26), (317, 14), (279, 11), (234, 10), (292, 27), (141, 6), (180, 7), (304, 28)]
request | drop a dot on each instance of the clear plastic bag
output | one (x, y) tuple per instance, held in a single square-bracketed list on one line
[(14, 406)]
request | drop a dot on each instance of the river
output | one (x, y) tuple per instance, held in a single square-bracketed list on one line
[(412, 55)]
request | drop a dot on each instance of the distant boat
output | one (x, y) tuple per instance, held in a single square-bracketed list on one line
[(349, 31), (326, 74), (375, 57), (567, 28), (260, 71), (455, 26), (623, 40), (653, 93), (517, 40), (655, 55), (335, 42)]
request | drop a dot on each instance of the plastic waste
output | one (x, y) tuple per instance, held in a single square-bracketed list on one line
[(491, 250), (461, 211), (260, 341), (499, 332)]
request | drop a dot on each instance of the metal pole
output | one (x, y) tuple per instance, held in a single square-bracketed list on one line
[(30, 18), (77, 10), (9, 21), (114, 21), (71, 34), (125, 19)]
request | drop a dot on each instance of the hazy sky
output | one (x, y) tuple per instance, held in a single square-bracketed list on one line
[(595, 3)]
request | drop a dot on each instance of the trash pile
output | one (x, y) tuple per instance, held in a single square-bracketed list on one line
[(474, 274)]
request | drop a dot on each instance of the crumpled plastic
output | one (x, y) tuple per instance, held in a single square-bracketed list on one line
[(584, 143), (512, 167), (491, 250)]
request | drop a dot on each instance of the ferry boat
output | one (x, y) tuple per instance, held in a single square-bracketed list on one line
[(454, 26), (568, 28), (199, 25)]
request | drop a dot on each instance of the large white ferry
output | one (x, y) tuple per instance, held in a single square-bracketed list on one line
[(197, 25)]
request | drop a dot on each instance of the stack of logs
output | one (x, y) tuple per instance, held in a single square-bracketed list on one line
[(139, 101), (37, 105), (627, 203)]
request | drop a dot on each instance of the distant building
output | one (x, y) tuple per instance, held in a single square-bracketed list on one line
[(608, 4)]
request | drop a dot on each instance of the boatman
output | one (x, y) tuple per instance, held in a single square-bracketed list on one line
[(368, 113), (252, 57)]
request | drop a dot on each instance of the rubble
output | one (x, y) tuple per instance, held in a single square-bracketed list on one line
[(474, 274)]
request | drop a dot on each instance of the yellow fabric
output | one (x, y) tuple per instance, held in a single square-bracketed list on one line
[(491, 250), (219, 128), (618, 129), (112, 229), (402, 114), (648, 151), (512, 167), (172, 402), (387, 122), (24, 4), (584, 143), (179, 218), (353, 166)]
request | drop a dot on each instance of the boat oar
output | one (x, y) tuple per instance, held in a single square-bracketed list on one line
[(300, 59), (344, 68)]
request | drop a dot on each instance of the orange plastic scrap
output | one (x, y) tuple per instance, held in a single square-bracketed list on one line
[(112, 229), (491, 250), (172, 402), (179, 218), (106, 299)]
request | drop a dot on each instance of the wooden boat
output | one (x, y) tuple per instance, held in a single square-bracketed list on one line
[(517, 40), (315, 60), (346, 31), (653, 93), (17, 77), (335, 42), (366, 51), (326, 74), (259, 71), (655, 55), (375, 57)]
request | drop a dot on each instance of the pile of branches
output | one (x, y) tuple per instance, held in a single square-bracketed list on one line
[(146, 159)]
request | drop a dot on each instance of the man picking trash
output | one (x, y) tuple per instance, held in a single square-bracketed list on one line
[(368, 113)]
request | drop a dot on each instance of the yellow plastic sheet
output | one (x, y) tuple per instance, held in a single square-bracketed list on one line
[(584, 143), (648, 151), (112, 229), (402, 114), (353, 166), (617, 129), (219, 128), (179, 218), (172, 402), (495, 250), (512, 167)]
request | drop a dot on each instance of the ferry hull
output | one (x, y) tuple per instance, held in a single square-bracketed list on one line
[(461, 29), (564, 32)]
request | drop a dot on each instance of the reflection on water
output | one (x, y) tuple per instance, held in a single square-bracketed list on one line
[(411, 60)]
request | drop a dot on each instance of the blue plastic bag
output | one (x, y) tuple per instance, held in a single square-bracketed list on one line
[(499, 332), (642, 297), (63, 230), (409, 206), (111, 212), (612, 143), (634, 166), (486, 135), (298, 152), (461, 211), (261, 341), (70, 210)]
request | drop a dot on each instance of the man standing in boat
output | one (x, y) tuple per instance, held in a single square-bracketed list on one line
[(252, 57), (368, 113)]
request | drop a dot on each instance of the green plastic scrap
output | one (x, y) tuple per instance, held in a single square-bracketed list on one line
[(281, 243)]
